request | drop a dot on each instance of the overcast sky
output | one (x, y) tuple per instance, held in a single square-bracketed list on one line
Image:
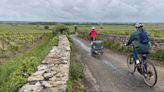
[(82, 10)]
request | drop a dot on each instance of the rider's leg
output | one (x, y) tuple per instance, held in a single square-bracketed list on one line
[(136, 57), (92, 40), (144, 58), (145, 66)]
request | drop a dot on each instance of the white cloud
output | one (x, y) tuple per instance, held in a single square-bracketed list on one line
[(83, 10)]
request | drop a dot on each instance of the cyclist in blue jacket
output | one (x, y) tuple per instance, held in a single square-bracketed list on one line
[(141, 42)]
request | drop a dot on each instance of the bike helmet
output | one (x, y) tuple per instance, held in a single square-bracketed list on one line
[(138, 25), (93, 27)]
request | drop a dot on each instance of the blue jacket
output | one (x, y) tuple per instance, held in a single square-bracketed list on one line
[(135, 38)]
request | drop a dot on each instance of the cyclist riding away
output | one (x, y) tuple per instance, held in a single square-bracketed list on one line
[(141, 42), (93, 34)]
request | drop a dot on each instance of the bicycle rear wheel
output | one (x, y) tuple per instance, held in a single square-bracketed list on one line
[(150, 76), (131, 63)]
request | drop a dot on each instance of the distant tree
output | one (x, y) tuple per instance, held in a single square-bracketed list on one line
[(75, 28), (61, 28), (101, 26), (46, 27)]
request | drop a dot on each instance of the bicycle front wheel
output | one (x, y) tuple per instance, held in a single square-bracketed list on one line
[(131, 63), (150, 74)]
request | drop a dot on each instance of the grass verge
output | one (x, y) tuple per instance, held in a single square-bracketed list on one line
[(158, 55), (75, 83), (14, 74)]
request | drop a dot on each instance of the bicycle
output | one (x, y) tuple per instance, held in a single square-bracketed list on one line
[(146, 68)]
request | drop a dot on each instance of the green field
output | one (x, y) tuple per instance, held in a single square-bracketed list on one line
[(156, 30), (22, 48), (24, 28), (18, 38)]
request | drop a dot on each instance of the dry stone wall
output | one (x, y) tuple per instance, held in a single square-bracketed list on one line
[(158, 43), (53, 74)]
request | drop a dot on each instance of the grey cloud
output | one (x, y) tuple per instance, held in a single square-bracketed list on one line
[(83, 10)]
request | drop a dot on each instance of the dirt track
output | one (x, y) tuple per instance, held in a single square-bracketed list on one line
[(111, 72)]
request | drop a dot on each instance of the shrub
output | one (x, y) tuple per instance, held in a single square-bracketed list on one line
[(61, 28), (46, 27)]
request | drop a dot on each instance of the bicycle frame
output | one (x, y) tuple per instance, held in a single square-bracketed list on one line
[(143, 65)]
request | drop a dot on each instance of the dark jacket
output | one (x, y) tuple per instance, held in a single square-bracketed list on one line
[(135, 38)]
